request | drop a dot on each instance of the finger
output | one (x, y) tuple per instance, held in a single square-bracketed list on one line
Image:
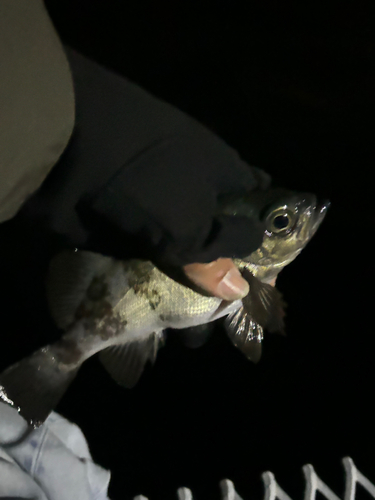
[(220, 278)]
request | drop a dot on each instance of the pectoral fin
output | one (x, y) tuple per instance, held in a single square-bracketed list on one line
[(264, 304), (263, 307), (245, 334), (125, 363)]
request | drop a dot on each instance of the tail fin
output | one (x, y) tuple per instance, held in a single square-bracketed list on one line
[(36, 384)]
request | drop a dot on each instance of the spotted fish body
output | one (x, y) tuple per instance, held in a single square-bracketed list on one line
[(121, 308), (116, 302)]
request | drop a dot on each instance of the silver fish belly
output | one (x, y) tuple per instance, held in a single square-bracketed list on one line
[(116, 308), (120, 309)]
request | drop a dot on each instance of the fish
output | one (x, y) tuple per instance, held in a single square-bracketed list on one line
[(121, 309)]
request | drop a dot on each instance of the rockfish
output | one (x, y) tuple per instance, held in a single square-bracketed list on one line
[(120, 309)]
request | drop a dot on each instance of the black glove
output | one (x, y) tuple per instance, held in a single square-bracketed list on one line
[(139, 168)]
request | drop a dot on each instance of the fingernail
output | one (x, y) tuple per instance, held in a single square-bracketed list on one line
[(233, 286)]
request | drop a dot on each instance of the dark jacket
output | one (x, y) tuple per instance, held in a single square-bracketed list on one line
[(137, 167), (137, 171)]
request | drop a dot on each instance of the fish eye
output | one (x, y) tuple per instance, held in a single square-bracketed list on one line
[(281, 221)]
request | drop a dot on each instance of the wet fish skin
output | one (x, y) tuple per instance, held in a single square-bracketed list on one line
[(291, 220), (137, 302), (137, 299), (121, 308)]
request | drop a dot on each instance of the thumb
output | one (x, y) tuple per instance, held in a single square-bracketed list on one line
[(220, 278)]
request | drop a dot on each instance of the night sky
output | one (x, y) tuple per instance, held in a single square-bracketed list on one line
[(291, 87)]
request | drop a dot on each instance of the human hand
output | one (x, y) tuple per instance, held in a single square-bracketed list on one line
[(220, 278)]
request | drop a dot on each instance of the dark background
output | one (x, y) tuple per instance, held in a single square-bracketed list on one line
[(291, 87)]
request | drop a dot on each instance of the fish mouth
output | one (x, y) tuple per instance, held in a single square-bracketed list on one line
[(320, 211)]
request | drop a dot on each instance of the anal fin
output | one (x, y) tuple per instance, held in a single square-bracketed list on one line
[(125, 363), (195, 336)]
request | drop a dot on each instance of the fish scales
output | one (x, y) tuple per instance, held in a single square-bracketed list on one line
[(120, 309)]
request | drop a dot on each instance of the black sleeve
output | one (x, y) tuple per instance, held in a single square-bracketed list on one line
[(139, 168), (168, 195)]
